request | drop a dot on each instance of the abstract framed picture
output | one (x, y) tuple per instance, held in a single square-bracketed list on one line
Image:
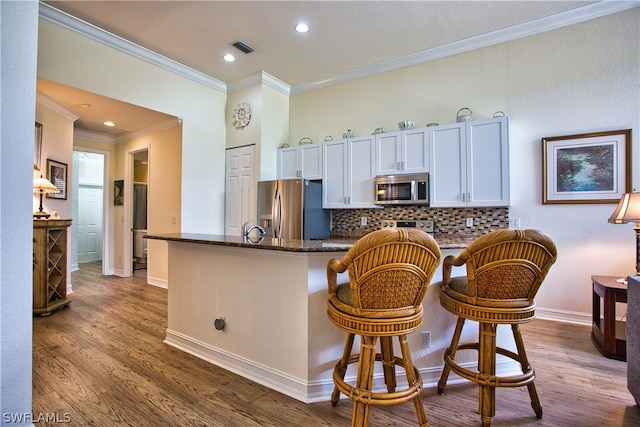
[(57, 174), (586, 168)]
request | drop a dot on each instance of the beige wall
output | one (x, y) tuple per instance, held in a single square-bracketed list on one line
[(581, 78), (57, 143), (163, 193), (75, 60), (275, 130), (268, 129), (251, 133)]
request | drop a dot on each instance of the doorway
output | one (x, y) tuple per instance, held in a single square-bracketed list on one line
[(139, 208), (87, 237)]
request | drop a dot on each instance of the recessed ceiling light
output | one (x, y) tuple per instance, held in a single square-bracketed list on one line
[(110, 124), (302, 28), (229, 58)]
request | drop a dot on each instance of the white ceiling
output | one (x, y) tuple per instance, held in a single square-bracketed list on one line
[(344, 36)]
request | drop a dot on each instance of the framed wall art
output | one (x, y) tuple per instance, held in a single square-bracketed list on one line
[(57, 174), (37, 146), (118, 192), (586, 168)]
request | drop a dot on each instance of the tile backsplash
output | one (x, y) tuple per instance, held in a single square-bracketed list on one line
[(345, 223)]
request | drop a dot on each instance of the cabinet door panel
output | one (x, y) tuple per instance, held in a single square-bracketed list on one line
[(388, 149), (288, 163), (487, 150), (447, 180), (311, 161), (415, 151), (361, 171), (334, 185)]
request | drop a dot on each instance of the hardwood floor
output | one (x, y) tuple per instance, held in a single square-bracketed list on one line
[(101, 362)]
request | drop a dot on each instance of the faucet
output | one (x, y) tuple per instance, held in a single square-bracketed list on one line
[(246, 229)]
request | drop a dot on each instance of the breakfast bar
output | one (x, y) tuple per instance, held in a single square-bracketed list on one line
[(257, 307)]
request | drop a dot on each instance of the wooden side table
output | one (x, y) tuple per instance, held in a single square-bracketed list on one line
[(609, 335)]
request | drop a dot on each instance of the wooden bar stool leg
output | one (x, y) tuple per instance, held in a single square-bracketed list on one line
[(413, 378), (341, 367), (452, 351), (487, 369), (524, 363), (388, 363), (364, 382)]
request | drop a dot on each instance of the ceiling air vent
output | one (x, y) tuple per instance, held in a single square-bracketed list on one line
[(241, 46)]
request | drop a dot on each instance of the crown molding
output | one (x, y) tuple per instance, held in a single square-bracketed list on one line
[(129, 136), (94, 136), (552, 22), (261, 78), (71, 23), (49, 103)]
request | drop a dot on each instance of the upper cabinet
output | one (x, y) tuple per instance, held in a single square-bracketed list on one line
[(470, 164), (402, 152), (303, 161), (348, 173)]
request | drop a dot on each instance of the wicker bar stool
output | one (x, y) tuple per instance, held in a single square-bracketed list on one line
[(389, 271), (505, 269)]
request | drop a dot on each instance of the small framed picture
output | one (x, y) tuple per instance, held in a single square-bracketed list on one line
[(37, 146), (586, 168), (57, 174), (118, 194)]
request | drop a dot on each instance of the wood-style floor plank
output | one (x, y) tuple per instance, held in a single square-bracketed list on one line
[(102, 361)]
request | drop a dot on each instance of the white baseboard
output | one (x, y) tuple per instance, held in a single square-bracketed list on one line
[(564, 316), (306, 391), (160, 283), (261, 374)]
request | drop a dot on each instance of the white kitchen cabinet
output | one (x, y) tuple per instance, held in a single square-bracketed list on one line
[(402, 152), (348, 173), (470, 164), (303, 161)]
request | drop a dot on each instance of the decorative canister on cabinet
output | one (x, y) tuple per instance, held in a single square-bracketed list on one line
[(498, 114), (464, 115), (304, 141), (347, 134)]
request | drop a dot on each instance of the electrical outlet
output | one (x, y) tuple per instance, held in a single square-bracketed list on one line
[(514, 222), (426, 339), (469, 222), (363, 220)]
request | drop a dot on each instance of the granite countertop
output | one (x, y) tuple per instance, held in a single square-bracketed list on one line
[(268, 243)]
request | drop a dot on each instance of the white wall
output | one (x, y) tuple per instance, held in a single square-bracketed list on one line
[(17, 115), (74, 60), (578, 79)]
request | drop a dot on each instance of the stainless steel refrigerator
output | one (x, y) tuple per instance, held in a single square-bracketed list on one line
[(292, 209)]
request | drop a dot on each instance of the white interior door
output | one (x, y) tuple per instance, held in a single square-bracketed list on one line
[(89, 223), (240, 189)]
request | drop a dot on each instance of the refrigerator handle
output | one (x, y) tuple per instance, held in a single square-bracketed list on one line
[(277, 214)]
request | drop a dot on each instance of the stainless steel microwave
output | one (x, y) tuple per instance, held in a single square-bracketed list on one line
[(410, 189)]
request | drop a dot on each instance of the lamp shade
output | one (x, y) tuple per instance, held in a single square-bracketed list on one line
[(42, 185), (628, 209)]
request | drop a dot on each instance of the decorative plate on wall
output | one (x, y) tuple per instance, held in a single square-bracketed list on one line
[(241, 115)]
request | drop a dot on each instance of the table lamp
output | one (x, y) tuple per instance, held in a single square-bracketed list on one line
[(628, 210), (41, 186)]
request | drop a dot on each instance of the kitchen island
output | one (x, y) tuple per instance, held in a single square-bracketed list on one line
[(270, 295)]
